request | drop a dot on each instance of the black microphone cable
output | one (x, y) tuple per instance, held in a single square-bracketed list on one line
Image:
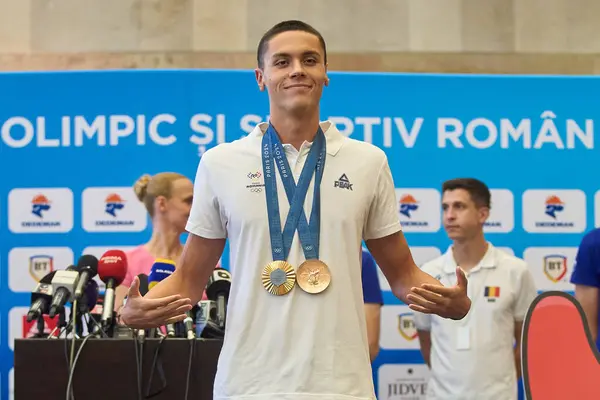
[(157, 366), (65, 330), (70, 384), (139, 357), (72, 362)]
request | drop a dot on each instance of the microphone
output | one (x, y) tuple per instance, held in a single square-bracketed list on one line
[(85, 305), (41, 297), (189, 325), (90, 297), (217, 290), (205, 311), (112, 269), (161, 269), (143, 284), (88, 268), (63, 284)]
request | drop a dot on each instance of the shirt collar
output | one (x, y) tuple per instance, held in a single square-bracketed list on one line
[(333, 138), (488, 260)]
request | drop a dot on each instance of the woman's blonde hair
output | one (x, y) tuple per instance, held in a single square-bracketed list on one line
[(147, 188)]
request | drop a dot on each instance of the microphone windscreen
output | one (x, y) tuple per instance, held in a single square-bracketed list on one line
[(113, 265), (47, 279), (143, 284), (88, 262), (91, 294), (218, 283), (161, 269)]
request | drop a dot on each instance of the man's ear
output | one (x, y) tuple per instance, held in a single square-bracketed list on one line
[(259, 79)]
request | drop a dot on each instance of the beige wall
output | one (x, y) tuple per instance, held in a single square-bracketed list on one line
[(527, 36)]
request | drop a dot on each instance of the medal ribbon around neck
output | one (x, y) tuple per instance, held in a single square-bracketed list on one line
[(309, 233), (279, 277)]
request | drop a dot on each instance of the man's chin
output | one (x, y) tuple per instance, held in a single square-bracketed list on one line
[(454, 236), (300, 106)]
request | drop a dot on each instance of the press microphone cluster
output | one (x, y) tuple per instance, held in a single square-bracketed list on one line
[(69, 284), (76, 285), (206, 319)]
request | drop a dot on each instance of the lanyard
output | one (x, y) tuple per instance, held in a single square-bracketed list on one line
[(281, 241)]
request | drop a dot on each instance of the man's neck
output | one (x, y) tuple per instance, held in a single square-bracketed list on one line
[(295, 129), (165, 244), (469, 253)]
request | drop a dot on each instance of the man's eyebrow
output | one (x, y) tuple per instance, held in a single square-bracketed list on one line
[(305, 53)]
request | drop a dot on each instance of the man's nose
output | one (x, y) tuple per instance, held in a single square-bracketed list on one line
[(297, 69)]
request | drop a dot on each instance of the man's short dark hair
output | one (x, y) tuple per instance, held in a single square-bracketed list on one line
[(479, 192), (286, 26)]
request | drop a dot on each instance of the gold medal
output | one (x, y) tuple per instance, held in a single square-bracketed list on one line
[(313, 276), (278, 277)]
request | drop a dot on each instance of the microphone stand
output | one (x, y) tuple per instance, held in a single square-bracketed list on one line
[(62, 323), (40, 324), (79, 324)]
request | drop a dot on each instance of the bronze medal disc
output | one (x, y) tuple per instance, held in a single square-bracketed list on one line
[(313, 276), (278, 277)]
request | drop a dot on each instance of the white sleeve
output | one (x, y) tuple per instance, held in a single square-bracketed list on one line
[(526, 293), (205, 215), (422, 321), (383, 218)]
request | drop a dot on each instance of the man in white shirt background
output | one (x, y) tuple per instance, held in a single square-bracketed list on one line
[(478, 357)]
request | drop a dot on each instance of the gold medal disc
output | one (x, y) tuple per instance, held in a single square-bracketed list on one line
[(278, 277), (313, 276)]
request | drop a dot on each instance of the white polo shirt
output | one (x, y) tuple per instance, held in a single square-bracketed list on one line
[(298, 346), (473, 358)]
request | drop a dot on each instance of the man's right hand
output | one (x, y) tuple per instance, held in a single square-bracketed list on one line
[(142, 313)]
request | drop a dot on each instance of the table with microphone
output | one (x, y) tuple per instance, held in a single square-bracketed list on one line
[(90, 356)]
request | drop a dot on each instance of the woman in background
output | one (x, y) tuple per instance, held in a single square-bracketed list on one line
[(167, 197)]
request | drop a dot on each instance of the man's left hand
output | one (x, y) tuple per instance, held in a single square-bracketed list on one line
[(447, 302)]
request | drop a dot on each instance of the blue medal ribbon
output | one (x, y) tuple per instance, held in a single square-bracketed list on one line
[(309, 233)]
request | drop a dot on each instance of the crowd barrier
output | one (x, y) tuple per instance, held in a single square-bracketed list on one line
[(73, 143)]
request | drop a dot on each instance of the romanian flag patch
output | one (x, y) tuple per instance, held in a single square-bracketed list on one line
[(492, 292)]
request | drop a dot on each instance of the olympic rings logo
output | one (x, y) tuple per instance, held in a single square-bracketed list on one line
[(256, 190)]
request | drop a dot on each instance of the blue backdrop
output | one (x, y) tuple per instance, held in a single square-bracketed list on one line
[(531, 139)]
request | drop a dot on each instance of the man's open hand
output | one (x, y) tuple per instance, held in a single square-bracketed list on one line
[(447, 302), (142, 313)]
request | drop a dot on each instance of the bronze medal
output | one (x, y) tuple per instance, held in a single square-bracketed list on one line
[(278, 277), (313, 276)]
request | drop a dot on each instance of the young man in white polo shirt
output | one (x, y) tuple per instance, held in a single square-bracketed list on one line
[(475, 358), (295, 322)]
